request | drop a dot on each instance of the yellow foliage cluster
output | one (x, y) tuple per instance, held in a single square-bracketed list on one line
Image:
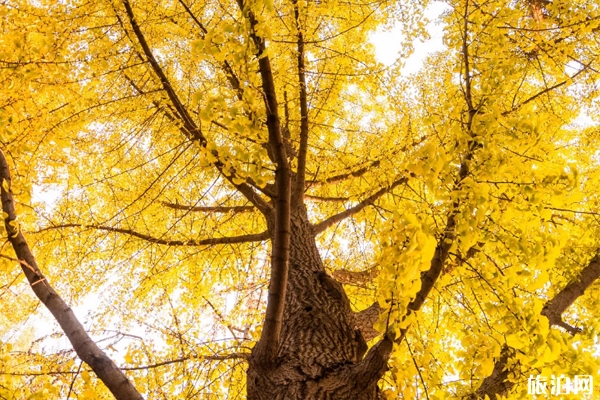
[(120, 206)]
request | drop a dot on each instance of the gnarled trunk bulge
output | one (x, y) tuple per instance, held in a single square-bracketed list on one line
[(320, 355)]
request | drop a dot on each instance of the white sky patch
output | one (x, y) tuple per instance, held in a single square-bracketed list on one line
[(584, 120), (387, 42), (46, 194), (573, 67)]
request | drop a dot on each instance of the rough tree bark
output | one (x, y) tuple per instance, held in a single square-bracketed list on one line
[(320, 355), (312, 351)]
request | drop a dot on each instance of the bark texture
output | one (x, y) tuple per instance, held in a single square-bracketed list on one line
[(320, 354), (497, 383)]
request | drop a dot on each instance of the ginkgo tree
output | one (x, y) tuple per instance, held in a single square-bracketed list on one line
[(249, 204)]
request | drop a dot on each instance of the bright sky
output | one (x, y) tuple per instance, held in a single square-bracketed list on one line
[(387, 44)]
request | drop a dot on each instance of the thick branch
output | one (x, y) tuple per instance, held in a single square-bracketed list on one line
[(322, 226), (303, 149), (448, 236), (497, 383), (375, 363), (229, 72), (429, 277), (365, 319), (266, 349), (345, 276), (209, 209), (189, 124), (171, 117), (106, 370), (254, 237), (189, 127), (440, 256), (554, 309)]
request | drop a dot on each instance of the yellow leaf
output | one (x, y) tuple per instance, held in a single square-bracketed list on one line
[(128, 357), (515, 341), (237, 180)]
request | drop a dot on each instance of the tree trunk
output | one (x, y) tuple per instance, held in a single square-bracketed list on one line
[(320, 351)]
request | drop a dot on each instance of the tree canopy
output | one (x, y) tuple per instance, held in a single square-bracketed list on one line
[(237, 199)]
